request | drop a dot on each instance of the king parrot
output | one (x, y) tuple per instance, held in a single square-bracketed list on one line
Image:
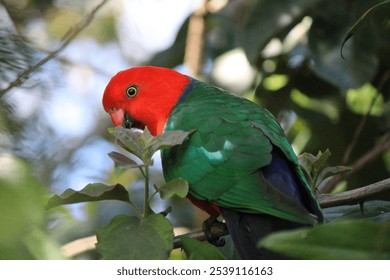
[(238, 162)]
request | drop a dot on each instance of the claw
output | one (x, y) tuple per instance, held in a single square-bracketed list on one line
[(214, 229)]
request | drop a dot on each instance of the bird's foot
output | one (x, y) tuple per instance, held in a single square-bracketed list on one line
[(214, 230)]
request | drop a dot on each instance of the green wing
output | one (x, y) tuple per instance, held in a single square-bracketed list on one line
[(233, 140)]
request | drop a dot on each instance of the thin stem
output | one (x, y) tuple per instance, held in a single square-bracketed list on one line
[(363, 121), (153, 194), (382, 146), (142, 171), (359, 130), (371, 155), (135, 207), (146, 198)]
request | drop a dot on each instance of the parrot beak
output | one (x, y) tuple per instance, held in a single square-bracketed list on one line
[(120, 117), (117, 117)]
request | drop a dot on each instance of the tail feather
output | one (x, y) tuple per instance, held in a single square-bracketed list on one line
[(281, 174), (247, 229)]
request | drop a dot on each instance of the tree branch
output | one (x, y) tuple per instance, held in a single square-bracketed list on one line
[(369, 156), (79, 246), (382, 146), (66, 39), (194, 45), (379, 190)]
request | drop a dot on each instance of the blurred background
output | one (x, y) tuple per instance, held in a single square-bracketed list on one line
[(284, 55)]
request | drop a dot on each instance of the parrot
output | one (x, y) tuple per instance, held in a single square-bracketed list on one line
[(237, 161)]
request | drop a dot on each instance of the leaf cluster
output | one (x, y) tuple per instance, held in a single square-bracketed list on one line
[(147, 235), (317, 173)]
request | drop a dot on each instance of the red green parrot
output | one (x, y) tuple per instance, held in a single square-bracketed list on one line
[(238, 162)]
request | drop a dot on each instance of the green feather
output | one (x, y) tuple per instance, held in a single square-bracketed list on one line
[(233, 140)]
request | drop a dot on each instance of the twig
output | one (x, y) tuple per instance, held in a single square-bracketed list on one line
[(378, 190), (369, 156), (358, 131), (66, 39), (363, 121), (382, 146), (79, 246), (146, 193)]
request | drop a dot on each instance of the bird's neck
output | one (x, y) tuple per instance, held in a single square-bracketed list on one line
[(161, 112)]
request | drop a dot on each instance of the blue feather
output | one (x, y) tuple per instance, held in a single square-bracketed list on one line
[(281, 176)]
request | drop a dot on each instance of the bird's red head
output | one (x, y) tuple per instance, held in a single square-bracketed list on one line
[(143, 96)]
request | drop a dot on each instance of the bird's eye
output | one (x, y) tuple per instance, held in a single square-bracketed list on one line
[(131, 91)]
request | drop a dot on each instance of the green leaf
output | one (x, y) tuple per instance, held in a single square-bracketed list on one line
[(177, 186), (326, 36), (144, 145), (132, 141), (123, 161), (349, 239), (320, 160), (360, 21), (315, 170), (165, 140), (129, 237), (306, 162), (91, 192), (330, 171), (197, 250), (313, 164), (375, 210)]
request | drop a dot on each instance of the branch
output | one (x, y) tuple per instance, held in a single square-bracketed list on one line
[(379, 190), (368, 157), (382, 146), (79, 246), (194, 44), (66, 39), (363, 121), (358, 131)]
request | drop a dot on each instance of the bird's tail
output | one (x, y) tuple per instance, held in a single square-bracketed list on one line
[(247, 229)]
